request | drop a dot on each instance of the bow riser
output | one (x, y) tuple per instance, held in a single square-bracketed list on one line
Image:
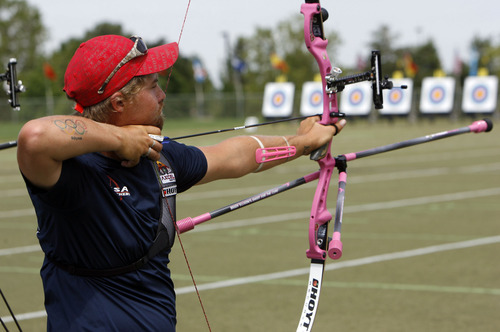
[(319, 211), (320, 216), (317, 46)]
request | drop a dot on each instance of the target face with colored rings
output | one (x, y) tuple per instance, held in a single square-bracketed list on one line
[(356, 97), (437, 94), (278, 99), (316, 98), (479, 94), (395, 96)]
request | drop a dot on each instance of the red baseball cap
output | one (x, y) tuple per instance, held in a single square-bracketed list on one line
[(96, 58)]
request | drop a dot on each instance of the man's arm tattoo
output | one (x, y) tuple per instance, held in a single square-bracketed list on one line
[(75, 129)]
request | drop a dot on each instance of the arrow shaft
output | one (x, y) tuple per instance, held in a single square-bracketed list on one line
[(479, 126), (251, 126)]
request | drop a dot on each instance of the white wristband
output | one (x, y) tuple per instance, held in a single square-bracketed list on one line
[(287, 144), (262, 147)]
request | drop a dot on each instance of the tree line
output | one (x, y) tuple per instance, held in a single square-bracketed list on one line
[(267, 55)]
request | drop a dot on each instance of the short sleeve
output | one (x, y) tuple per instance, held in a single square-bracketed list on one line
[(189, 163)]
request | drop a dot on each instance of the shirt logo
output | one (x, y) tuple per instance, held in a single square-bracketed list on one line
[(169, 191), (121, 191), (166, 173), (167, 178)]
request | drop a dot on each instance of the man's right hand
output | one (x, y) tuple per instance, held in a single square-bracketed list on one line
[(137, 143)]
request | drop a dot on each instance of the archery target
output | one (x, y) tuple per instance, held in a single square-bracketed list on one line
[(396, 100), (356, 99), (311, 101), (480, 94), (437, 95), (278, 100), (395, 97)]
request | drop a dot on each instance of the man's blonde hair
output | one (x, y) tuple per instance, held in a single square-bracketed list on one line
[(100, 112)]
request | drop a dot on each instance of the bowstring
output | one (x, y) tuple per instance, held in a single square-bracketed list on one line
[(178, 42), (192, 276), (169, 210), (189, 266)]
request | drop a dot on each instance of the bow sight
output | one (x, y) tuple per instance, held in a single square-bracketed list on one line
[(335, 84), (12, 86)]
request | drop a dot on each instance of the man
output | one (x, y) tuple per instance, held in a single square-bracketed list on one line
[(97, 183)]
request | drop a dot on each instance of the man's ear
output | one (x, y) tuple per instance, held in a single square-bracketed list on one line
[(117, 102)]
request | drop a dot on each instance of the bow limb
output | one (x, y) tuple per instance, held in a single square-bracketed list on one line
[(316, 43)]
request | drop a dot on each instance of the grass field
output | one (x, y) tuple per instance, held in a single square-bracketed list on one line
[(421, 239)]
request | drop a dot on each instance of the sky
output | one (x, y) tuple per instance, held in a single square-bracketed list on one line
[(451, 24)]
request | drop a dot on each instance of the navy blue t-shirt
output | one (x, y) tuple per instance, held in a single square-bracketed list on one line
[(101, 215)]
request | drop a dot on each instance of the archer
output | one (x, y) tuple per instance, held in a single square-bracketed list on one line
[(104, 189)]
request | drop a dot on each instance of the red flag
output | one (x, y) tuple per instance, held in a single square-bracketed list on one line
[(411, 67), (279, 63), (49, 71)]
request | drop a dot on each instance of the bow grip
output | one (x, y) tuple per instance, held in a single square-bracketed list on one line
[(319, 153)]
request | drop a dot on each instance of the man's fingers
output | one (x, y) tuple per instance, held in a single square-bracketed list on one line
[(339, 125), (156, 146), (153, 151), (153, 130)]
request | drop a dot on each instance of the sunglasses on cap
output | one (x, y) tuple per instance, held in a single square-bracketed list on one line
[(137, 50)]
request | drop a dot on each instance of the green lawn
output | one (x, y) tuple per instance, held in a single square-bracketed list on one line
[(438, 196)]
